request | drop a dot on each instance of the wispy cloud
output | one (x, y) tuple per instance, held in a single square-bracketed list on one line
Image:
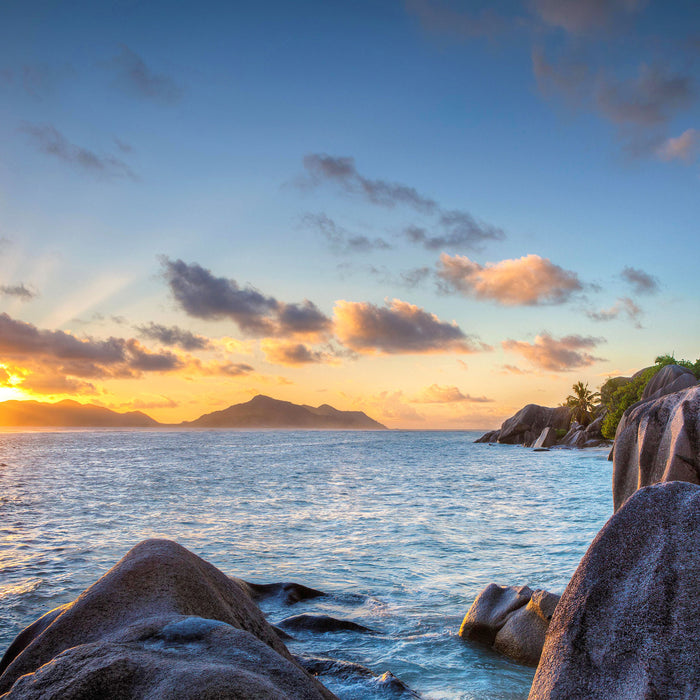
[(135, 77), (341, 240), (17, 290), (173, 336), (527, 281), (453, 228), (438, 17), (562, 355), (649, 99), (624, 305), (341, 170), (52, 142), (684, 147), (399, 327), (640, 281), (580, 16), (283, 352), (459, 230), (447, 394), (202, 295)]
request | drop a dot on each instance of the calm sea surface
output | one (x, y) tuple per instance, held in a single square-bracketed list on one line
[(403, 529)]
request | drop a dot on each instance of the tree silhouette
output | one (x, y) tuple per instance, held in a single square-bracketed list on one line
[(582, 403)]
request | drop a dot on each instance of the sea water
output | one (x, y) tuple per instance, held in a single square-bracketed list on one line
[(401, 528)]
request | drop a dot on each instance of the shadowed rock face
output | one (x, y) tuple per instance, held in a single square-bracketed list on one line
[(161, 623), (513, 620), (668, 380), (657, 440), (628, 624)]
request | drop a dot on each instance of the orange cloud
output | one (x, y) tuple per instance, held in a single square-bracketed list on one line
[(447, 394), (399, 327), (527, 281), (560, 355)]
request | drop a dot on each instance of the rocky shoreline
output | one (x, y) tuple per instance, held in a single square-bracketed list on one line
[(165, 623)]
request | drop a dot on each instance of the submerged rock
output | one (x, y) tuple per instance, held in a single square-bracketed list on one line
[(628, 624), (657, 440), (161, 623), (313, 622), (513, 620), (357, 674), (286, 592)]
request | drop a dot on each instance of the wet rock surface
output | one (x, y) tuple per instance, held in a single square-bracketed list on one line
[(513, 620)]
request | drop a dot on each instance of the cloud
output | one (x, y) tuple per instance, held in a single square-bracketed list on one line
[(563, 355), (570, 77), (304, 318), (640, 281), (53, 361), (399, 327), (440, 19), (447, 394), (580, 16), (173, 336), (461, 230), (458, 228), (17, 290), (36, 79), (649, 99), (217, 369), (622, 305), (527, 281), (134, 76), (52, 142), (340, 239), (294, 354), (202, 295), (683, 147), (322, 167)]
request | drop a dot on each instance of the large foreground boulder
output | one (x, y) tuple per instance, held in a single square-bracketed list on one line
[(657, 440), (628, 624), (513, 620), (162, 623), (526, 425)]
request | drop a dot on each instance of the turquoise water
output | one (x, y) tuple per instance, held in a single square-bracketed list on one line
[(402, 528)]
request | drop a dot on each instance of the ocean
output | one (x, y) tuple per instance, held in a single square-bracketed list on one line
[(401, 528)]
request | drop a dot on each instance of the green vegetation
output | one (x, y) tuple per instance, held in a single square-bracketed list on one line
[(583, 403), (619, 393)]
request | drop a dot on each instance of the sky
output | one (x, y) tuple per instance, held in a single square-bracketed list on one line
[(435, 212)]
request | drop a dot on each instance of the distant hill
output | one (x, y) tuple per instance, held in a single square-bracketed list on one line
[(259, 412), (69, 413), (265, 412)]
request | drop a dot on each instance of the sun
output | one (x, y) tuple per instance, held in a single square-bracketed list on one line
[(8, 393)]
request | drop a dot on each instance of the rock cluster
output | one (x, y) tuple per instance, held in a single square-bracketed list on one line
[(161, 623), (526, 425), (512, 620)]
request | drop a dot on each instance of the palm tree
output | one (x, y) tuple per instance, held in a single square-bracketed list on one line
[(582, 403)]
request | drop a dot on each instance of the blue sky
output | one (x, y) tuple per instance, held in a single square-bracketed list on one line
[(523, 172)]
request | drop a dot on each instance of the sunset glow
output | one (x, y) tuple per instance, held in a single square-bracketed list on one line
[(393, 207)]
